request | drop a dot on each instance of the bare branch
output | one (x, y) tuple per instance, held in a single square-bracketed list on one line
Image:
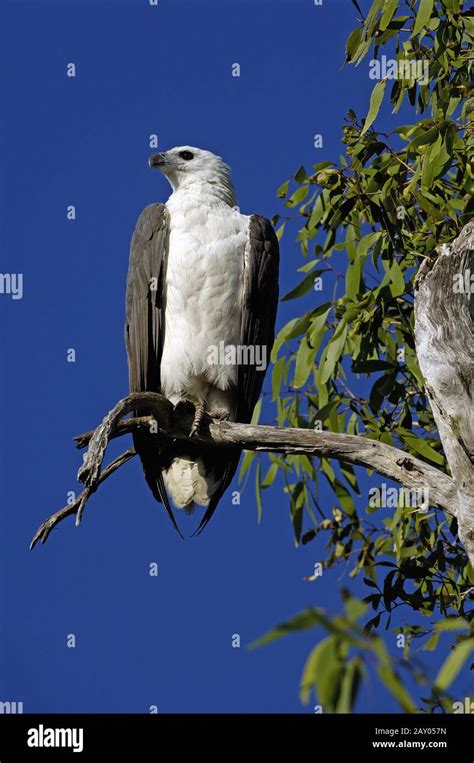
[(90, 470), (71, 508), (125, 426), (390, 462)]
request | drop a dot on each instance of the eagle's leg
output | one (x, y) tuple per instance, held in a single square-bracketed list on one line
[(220, 414), (196, 397), (187, 403), (199, 411)]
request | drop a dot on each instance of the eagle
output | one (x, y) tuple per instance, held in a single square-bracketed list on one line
[(201, 302)]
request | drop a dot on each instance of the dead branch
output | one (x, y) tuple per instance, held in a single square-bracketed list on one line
[(390, 462), (89, 472), (71, 508), (166, 423)]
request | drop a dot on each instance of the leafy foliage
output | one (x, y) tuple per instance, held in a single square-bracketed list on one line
[(366, 223)]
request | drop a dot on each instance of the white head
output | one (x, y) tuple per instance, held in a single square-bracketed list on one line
[(197, 170)]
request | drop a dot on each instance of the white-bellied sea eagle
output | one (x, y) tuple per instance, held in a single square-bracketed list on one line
[(202, 292)]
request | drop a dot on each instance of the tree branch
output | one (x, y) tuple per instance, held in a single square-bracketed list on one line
[(168, 423), (90, 469), (71, 508), (390, 462)]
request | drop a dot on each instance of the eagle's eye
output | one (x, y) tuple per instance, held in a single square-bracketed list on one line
[(187, 155)]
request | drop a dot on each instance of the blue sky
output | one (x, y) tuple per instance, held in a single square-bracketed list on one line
[(142, 640)]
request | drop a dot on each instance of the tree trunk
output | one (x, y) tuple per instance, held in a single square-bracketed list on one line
[(445, 349)]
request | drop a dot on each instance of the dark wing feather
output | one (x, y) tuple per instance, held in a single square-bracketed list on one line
[(144, 330), (260, 300)]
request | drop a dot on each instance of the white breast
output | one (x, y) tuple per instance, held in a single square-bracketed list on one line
[(203, 292)]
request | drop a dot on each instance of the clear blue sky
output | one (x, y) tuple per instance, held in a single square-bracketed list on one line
[(143, 640)]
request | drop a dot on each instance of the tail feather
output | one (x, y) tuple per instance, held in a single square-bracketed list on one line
[(153, 473), (191, 476), (229, 468)]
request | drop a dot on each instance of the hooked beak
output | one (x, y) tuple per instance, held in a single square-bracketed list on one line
[(157, 160)]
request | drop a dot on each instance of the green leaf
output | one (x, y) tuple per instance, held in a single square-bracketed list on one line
[(303, 287), (249, 456), (453, 664), (430, 163), (389, 10), (308, 266), (452, 624), (428, 136), (257, 411), (318, 326), (390, 678), (320, 673), (282, 337), (419, 445), (309, 618), (423, 16), (280, 231), (304, 363), (325, 411), (397, 282), (322, 166), (355, 609), (298, 196), (300, 175), (297, 500), (283, 189), (270, 475), (334, 352), (432, 643), (277, 377), (350, 683), (369, 366), (375, 102), (366, 242), (395, 686), (353, 274), (304, 620), (353, 42)]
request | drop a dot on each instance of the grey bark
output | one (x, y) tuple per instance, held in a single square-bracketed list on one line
[(354, 449), (390, 462), (444, 337)]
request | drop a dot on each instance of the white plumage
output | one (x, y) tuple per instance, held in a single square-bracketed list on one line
[(203, 292), (203, 298)]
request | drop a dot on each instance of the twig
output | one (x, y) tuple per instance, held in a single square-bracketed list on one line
[(71, 508), (89, 472)]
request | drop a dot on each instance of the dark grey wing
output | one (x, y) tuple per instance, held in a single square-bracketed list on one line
[(260, 302), (144, 330), (259, 307)]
